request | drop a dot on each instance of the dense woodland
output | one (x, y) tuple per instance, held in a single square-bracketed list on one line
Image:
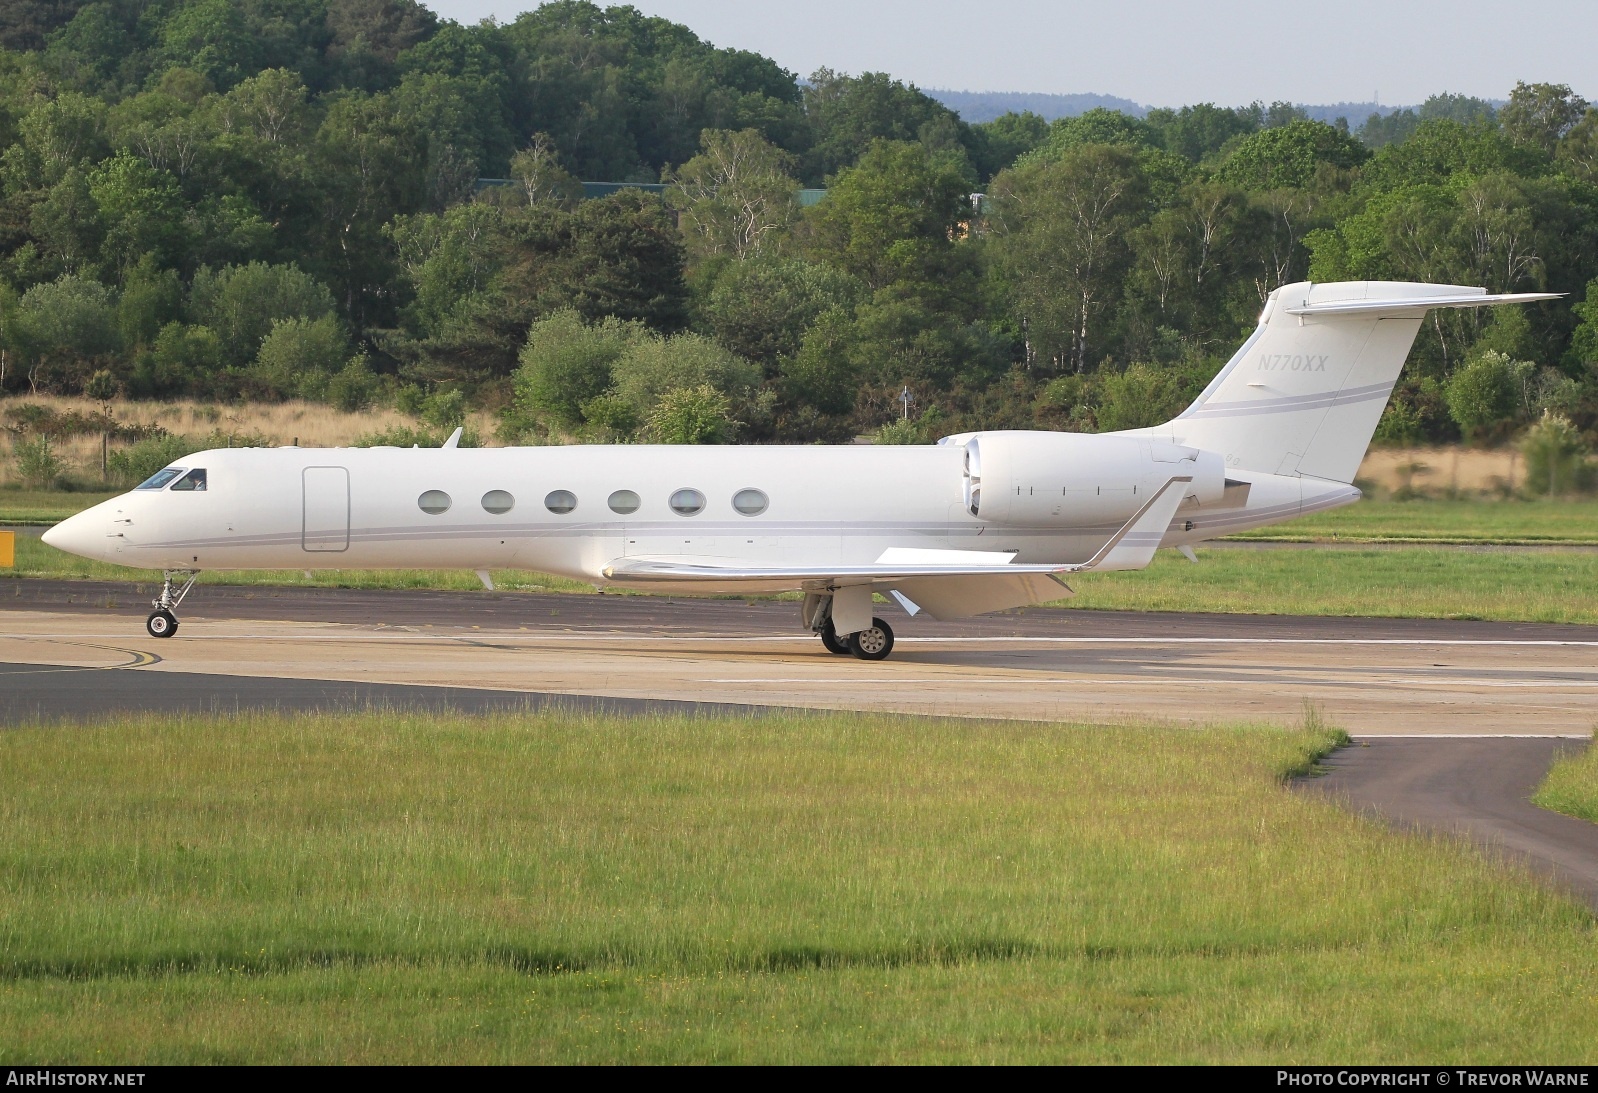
[(265, 199)]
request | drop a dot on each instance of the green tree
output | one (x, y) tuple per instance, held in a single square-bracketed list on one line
[(822, 374), (1289, 155), (538, 171), (651, 367), (616, 256), (761, 309), (1485, 394), (241, 303), (182, 359), (1061, 238), (1007, 138), (298, 356), (141, 210), (1538, 115), (736, 196), (891, 218), (1198, 132), (567, 363), (68, 325), (847, 115)]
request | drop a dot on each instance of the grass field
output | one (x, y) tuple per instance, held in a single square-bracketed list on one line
[(1382, 582), (843, 888), (44, 507), (1564, 521), (1378, 582), (1572, 786)]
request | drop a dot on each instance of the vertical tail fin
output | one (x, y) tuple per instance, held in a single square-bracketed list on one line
[(1304, 393)]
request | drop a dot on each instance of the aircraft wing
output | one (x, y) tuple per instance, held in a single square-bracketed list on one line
[(946, 583)]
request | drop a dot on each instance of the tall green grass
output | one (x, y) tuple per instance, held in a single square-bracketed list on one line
[(398, 887), (1572, 785)]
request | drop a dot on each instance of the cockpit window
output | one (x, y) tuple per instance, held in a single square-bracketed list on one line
[(159, 478), (193, 481)]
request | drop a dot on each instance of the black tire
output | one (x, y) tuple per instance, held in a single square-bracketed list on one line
[(830, 638), (874, 643), (161, 623)]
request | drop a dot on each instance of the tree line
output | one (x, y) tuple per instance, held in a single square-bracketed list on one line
[(264, 199)]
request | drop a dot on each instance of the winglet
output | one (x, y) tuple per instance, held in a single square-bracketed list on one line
[(1134, 545), (454, 440)]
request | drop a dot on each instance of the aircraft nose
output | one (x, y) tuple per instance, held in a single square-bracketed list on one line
[(80, 535)]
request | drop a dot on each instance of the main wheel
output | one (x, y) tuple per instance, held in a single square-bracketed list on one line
[(161, 623), (872, 643), (830, 638)]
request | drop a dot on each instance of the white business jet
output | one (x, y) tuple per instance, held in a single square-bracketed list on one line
[(978, 522)]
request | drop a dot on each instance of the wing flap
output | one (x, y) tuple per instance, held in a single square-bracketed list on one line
[(955, 597)]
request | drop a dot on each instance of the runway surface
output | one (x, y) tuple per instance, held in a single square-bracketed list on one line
[(1371, 676), (1492, 697)]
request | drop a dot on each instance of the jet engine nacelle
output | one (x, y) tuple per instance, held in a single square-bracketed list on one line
[(1026, 479)]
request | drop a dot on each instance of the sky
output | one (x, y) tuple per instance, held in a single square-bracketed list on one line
[(1158, 54)]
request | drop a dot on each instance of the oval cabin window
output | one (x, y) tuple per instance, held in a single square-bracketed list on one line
[(433, 502), (560, 502), (750, 502), (623, 502), (498, 502), (687, 502)]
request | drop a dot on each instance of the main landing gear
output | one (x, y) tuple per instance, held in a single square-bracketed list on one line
[(162, 623), (875, 642)]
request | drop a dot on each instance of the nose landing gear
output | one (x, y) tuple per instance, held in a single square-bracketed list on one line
[(162, 623)]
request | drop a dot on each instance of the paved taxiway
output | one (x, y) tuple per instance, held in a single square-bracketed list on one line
[(1477, 788), (1371, 676)]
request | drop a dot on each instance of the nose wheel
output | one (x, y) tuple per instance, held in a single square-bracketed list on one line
[(162, 622)]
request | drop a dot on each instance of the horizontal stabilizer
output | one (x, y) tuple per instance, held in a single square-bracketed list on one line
[(1419, 305)]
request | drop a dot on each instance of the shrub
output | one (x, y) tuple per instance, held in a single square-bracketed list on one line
[(1485, 394), (1556, 460), (692, 415), (241, 303), (37, 463), (355, 386), (134, 464), (408, 436), (903, 431), (566, 363), (298, 355)]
